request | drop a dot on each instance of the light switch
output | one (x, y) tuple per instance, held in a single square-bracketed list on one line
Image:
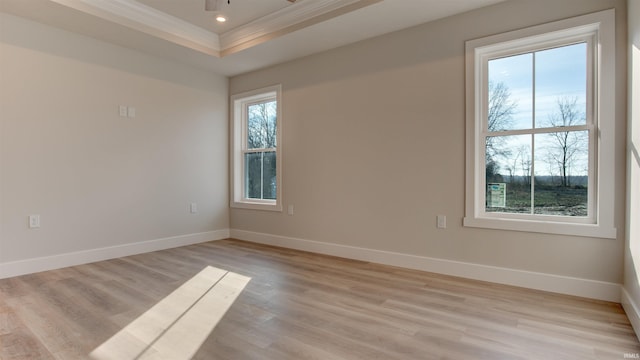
[(131, 112), (442, 221), (123, 111), (34, 221)]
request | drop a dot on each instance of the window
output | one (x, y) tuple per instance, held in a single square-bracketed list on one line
[(540, 123), (256, 149)]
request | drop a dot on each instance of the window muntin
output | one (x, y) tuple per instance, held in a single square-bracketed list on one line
[(524, 146), (256, 142), (537, 144)]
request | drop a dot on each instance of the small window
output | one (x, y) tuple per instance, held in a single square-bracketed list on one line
[(540, 125), (256, 142)]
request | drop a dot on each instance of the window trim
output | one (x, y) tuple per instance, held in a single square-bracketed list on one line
[(597, 26), (238, 121)]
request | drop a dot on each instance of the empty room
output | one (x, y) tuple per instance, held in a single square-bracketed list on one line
[(319, 179)]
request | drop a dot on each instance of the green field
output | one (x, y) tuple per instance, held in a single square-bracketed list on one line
[(548, 199)]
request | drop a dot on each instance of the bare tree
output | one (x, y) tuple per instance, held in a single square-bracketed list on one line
[(499, 117), (501, 107), (261, 126), (525, 163), (520, 164), (567, 145)]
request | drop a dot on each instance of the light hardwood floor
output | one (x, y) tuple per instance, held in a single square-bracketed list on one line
[(299, 305)]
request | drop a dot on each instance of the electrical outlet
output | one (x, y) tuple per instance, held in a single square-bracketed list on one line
[(441, 221), (34, 221)]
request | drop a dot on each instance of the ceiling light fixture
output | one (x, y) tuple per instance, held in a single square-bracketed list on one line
[(212, 5)]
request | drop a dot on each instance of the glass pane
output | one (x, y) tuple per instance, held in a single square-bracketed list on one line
[(561, 86), (253, 175), (510, 93), (269, 176), (508, 174), (561, 173), (261, 125), (260, 175)]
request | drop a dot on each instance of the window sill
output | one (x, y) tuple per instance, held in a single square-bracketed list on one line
[(546, 227), (257, 206)]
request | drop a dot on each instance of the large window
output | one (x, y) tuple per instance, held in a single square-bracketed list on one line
[(540, 125), (256, 124)]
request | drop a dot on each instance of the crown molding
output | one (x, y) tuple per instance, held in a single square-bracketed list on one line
[(153, 22), (276, 23), (146, 19)]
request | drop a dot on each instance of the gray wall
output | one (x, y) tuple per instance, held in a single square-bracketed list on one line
[(374, 147), (96, 179)]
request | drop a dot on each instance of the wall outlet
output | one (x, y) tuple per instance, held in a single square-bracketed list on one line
[(193, 208), (441, 221), (34, 221)]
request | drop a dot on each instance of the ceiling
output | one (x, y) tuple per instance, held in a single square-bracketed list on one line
[(238, 12), (258, 33)]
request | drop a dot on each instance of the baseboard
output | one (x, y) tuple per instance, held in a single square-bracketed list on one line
[(534, 280), (633, 311), (541, 281), (28, 266)]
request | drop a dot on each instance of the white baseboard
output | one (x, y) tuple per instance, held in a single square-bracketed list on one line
[(548, 282), (632, 310), (534, 280), (28, 266)]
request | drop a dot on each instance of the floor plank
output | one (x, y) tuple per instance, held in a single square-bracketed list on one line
[(299, 305)]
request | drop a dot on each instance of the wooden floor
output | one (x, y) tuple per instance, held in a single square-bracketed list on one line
[(300, 305)]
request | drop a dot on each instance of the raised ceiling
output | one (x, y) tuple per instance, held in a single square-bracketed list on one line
[(238, 12), (258, 33)]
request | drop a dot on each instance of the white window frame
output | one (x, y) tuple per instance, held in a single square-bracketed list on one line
[(597, 29), (239, 117)]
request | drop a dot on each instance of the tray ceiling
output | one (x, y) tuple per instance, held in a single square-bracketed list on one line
[(258, 33)]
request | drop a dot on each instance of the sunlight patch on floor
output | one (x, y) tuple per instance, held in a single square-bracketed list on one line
[(176, 327)]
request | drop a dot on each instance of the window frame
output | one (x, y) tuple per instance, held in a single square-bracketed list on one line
[(598, 31), (239, 104)]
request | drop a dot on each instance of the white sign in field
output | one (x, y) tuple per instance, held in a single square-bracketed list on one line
[(496, 194)]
